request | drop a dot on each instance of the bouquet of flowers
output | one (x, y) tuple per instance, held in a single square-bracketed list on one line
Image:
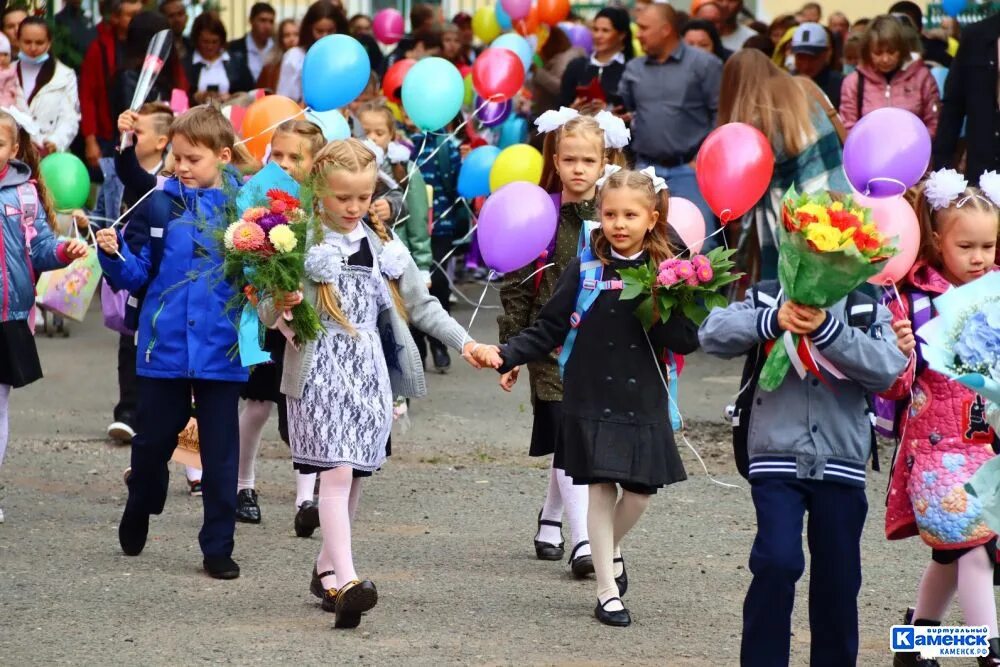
[(692, 285), (826, 250)]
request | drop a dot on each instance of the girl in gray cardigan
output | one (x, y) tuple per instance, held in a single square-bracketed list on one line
[(340, 387)]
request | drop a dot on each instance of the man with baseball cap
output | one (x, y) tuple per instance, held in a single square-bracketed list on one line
[(812, 50)]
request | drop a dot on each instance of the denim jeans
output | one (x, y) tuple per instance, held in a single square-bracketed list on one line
[(682, 183)]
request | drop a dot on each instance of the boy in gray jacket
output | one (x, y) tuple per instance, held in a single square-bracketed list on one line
[(808, 443)]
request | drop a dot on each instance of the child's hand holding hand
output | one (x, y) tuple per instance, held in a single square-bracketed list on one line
[(508, 380), (286, 300), (381, 209), (799, 319), (905, 340), (487, 355), (76, 249), (107, 241)]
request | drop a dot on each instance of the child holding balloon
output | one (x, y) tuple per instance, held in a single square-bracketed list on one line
[(576, 151), (367, 287), (30, 248), (944, 436), (614, 425)]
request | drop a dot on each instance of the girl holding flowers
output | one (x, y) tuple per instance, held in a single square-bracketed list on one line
[(614, 423), (944, 434), (340, 386), (576, 150)]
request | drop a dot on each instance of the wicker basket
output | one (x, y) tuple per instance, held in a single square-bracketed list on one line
[(188, 450)]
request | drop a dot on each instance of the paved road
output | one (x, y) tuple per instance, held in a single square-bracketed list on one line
[(445, 532)]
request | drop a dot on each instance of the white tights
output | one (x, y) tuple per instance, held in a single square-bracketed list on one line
[(971, 576)]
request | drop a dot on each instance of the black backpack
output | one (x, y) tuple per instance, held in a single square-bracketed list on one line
[(766, 294)]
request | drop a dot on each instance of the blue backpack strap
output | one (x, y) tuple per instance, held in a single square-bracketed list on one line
[(586, 295)]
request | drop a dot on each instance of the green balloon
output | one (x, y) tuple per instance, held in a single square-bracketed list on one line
[(470, 94), (67, 180)]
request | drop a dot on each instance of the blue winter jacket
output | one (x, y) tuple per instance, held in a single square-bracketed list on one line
[(20, 266), (185, 329)]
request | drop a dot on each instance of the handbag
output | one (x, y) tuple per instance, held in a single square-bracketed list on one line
[(69, 291)]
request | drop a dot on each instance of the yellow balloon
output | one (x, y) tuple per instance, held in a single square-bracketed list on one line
[(636, 46), (519, 162), (485, 25), (397, 112)]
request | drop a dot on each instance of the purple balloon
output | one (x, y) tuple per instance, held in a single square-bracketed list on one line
[(581, 37), (887, 152), (493, 113), (515, 226)]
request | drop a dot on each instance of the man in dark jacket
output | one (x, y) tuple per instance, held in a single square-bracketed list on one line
[(812, 51), (970, 96), (255, 45)]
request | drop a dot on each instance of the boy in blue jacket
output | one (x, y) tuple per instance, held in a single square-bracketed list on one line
[(808, 444), (185, 334)]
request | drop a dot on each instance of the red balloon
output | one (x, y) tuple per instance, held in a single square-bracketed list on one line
[(529, 24), (553, 11), (392, 84), (734, 169), (497, 74), (464, 70)]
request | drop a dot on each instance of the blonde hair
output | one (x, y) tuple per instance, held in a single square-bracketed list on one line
[(353, 156), (933, 221), (757, 92), (204, 126), (28, 154), (889, 33), (581, 126), (161, 114), (313, 135), (380, 107), (657, 241)]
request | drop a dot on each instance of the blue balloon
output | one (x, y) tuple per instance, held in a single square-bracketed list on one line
[(519, 45), (332, 123), (474, 177), (335, 72), (503, 18), (954, 7), (513, 131), (433, 92)]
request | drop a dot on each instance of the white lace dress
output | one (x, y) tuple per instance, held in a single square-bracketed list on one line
[(345, 414)]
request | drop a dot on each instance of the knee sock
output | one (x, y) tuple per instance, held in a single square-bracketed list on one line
[(975, 590), (937, 587), (355, 498), (4, 419), (628, 509), (552, 510), (600, 521), (193, 474), (574, 499), (335, 524), (305, 484), (252, 420)]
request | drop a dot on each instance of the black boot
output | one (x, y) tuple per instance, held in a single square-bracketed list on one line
[(247, 509), (993, 659), (132, 531), (912, 658)]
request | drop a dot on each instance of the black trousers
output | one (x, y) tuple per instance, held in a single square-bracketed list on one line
[(128, 399), (164, 411), (440, 288)]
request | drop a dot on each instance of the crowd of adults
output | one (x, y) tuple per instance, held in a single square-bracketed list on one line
[(802, 80)]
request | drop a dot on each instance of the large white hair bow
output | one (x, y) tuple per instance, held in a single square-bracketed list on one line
[(658, 183), (375, 148), (943, 187), (989, 183), (616, 135), (609, 170), (553, 120), (397, 153)]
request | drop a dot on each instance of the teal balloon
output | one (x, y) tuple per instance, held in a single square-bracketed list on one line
[(433, 91), (474, 177), (66, 179), (519, 45), (954, 7), (503, 18), (334, 73), (513, 131), (332, 123)]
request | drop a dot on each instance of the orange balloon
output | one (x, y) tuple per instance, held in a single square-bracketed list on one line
[(553, 11), (529, 24), (262, 117)]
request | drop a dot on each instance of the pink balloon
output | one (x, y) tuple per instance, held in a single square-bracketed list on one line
[(896, 220), (516, 9), (388, 26), (688, 222), (515, 226)]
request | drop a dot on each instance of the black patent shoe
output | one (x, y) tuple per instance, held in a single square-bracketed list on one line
[(582, 566), (132, 531), (221, 567), (306, 519), (316, 584), (247, 509), (618, 619), (545, 550), (622, 579), (353, 600)]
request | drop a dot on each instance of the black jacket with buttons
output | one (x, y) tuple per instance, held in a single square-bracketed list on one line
[(970, 94), (612, 374)]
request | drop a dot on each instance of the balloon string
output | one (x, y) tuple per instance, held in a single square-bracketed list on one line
[(884, 179), (131, 208), (273, 127), (489, 279), (409, 175), (451, 134)]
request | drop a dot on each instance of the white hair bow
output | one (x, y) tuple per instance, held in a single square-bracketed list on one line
[(989, 183), (943, 187), (658, 183), (616, 135), (398, 153), (609, 170), (553, 120), (375, 148), (23, 120)]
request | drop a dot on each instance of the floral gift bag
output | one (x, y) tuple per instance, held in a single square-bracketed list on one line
[(69, 291)]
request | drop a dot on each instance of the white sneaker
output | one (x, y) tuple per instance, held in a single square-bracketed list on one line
[(121, 432), (1, 516)]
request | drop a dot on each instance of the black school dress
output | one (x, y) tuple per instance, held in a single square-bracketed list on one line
[(19, 363), (615, 423)]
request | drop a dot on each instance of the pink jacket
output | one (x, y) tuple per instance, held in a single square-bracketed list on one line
[(945, 439), (913, 88), (8, 86)]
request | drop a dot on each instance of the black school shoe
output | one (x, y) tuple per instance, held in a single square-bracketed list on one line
[(247, 509), (618, 619), (132, 531), (581, 565), (221, 567), (912, 658), (353, 600), (622, 579), (546, 550), (316, 583), (306, 519)]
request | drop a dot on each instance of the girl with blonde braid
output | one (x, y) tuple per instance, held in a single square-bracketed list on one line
[(340, 387)]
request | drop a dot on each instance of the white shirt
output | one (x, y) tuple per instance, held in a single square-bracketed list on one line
[(617, 58), (255, 56), (616, 255), (213, 73), (348, 243), (29, 77), (290, 78), (734, 41)]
